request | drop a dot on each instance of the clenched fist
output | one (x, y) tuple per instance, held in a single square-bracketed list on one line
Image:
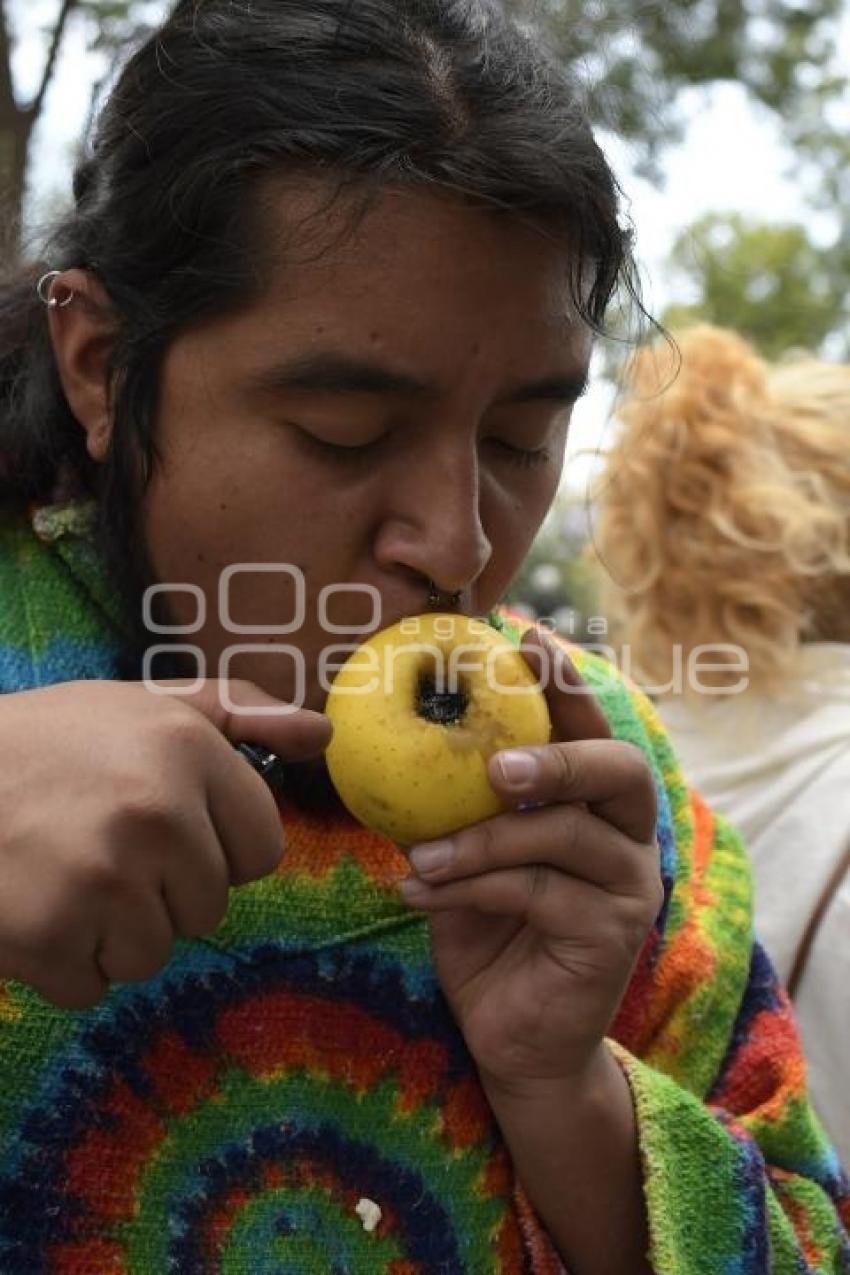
[(126, 817)]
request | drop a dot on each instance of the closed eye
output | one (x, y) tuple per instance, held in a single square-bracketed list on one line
[(346, 452), (525, 457)]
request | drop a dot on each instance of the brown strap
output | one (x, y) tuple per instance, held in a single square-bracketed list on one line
[(804, 950)]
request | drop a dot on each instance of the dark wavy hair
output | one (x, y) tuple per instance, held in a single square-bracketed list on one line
[(434, 94)]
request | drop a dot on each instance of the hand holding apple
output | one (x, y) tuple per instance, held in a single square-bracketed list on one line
[(538, 915)]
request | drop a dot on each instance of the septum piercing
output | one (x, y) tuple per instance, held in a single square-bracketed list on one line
[(439, 601)]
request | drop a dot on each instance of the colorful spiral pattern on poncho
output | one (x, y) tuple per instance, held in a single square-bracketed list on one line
[(232, 1116)]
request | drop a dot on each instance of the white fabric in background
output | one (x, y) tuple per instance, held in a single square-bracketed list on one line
[(778, 768)]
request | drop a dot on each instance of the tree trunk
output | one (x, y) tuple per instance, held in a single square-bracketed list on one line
[(16, 128), (15, 133)]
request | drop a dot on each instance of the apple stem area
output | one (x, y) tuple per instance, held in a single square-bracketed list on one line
[(443, 707)]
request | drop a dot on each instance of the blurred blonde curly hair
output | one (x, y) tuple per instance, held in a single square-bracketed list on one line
[(724, 507)]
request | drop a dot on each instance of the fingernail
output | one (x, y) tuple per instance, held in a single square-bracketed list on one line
[(519, 769), (432, 857)]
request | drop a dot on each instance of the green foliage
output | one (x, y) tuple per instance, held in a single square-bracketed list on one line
[(771, 282), (636, 57), (556, 576), (109, 10), (114, 23), (768, 281)]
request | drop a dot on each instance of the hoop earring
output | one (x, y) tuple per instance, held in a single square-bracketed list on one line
[(43, 288)]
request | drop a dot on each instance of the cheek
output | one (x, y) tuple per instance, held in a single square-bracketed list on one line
[(203, 509), (518, 511), (284, 552), (511, 522)]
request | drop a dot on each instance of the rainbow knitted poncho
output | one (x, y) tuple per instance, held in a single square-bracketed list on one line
[(232, 1114)]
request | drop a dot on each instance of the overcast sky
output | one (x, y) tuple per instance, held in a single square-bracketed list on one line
[(732, 158)]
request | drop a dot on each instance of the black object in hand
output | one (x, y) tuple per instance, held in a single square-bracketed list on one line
[(267, 765)]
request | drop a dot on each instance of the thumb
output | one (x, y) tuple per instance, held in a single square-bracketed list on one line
[(244, 713), (573, 707)]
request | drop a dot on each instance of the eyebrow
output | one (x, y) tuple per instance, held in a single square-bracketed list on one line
[(331, 373)]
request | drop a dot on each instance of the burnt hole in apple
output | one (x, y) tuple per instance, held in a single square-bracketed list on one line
[(440, 706)]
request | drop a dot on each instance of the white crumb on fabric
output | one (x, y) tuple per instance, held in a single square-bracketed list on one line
[(369, 1213)]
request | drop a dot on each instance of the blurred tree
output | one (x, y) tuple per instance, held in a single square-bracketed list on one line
[(635, 57), (768, 281), (772, 282), (109, 24), (821, 138), (557, 581), (17, 121)]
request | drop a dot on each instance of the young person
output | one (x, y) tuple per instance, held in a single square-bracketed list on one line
[(324, 303), (725, 505)]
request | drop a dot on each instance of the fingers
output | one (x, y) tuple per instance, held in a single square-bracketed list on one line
[(242, 811), (295, 734), (138, 940), (69, 986), (244, 816), (585, 765), (567, 839), (552, 904), (572, 705), (62, 978), (196, 881), (151, 836), (587, 885), (138, 913), (610, 776)]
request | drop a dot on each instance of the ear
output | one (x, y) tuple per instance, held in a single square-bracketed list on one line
[(83, 335)]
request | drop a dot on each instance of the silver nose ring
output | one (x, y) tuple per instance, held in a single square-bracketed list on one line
[(439, 601)]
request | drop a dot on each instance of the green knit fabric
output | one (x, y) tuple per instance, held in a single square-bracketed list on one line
[(232, 1113)]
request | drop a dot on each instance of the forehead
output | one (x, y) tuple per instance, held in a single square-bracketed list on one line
[(318, 224), (423, 278), (413, 257)]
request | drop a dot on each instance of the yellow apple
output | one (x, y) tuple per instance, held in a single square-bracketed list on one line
[(417, 711)]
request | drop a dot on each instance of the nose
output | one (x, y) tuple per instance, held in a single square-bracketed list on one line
[(433, 525)]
